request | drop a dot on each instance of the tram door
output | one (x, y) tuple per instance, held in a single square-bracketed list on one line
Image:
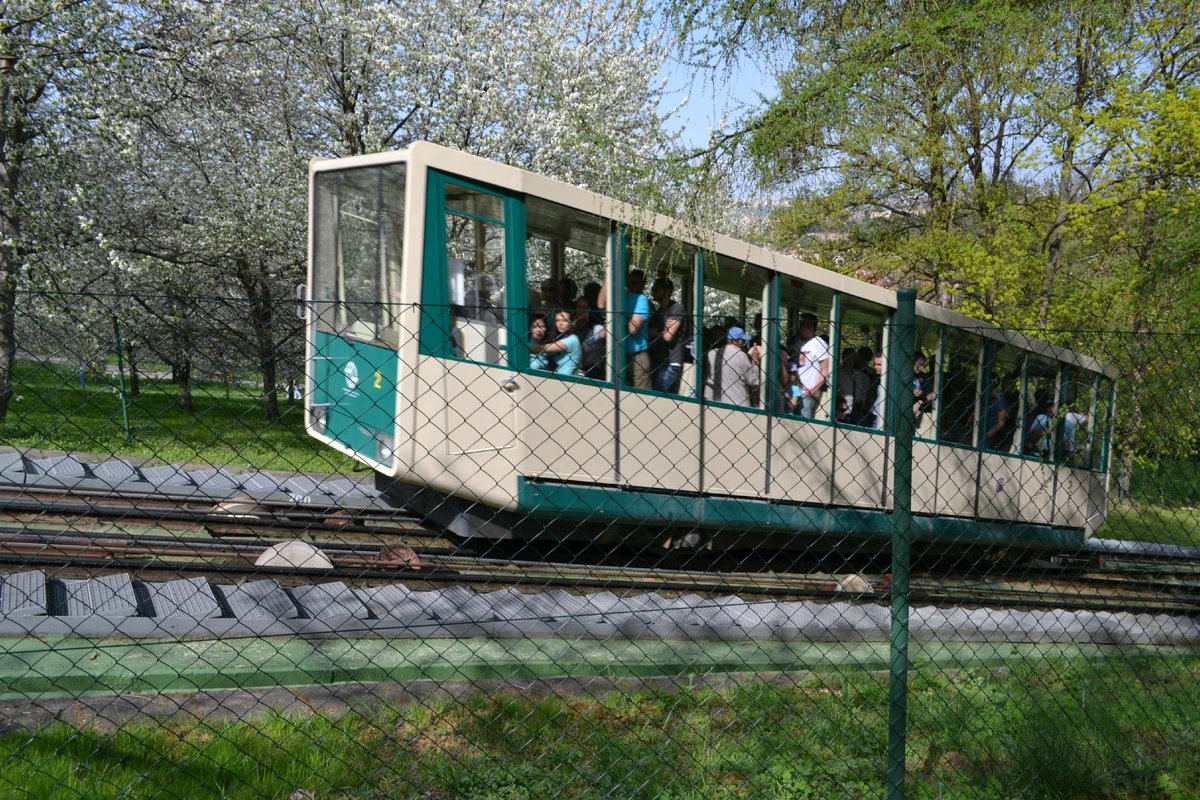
[(471, 250), (357, 230)]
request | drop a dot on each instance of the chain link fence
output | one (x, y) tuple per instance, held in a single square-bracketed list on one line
[(960, 565)]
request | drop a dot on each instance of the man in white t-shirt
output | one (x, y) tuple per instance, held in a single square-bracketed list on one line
[(813, 356), (1074, 432)]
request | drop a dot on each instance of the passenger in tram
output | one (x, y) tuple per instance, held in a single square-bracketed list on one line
[(1074, 429), (549, 296), (812, 354), (568, 292), (843, 409), (998, 414), (637, 335), (757, 345), (854, 385), (589, 327), (668, 337), (563, 345), (546, 302), (877, 401), (1012, 398), (591, 293), (861, 412), (790, 387), (714, 335), (537, 337), (1038, 437), (923, 386), (582, 318), (730, 375)]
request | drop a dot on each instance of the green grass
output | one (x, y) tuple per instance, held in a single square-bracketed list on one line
[(1152, 523), (1123, 729), (50, 411), (1164, 507)]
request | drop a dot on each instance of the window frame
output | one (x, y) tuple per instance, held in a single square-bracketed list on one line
[(436, 321)]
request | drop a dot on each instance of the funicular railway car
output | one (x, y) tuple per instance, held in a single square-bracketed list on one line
[(429, 270)]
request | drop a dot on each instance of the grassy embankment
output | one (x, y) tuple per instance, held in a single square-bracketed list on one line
[(1165, 506), (1119, 729), (50, 411)]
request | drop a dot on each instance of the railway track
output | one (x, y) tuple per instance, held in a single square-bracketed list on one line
[(238, 517), (150, 533), (150, 555)]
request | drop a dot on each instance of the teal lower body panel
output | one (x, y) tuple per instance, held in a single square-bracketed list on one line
[(355, 383), (619, 505)]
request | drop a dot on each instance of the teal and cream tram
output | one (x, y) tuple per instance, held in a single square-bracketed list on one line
[(429, 271)]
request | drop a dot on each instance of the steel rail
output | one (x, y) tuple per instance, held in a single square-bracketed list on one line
[(362, 564)]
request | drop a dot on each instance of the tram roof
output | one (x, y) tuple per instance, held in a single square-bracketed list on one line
[(522, 181)]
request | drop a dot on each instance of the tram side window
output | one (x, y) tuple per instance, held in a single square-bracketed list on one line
[(1003, 401), (805, 360), (860, 338), (960, 387), (1101, 424), (357, 250), (1038, 426), (1077, 415), (660, 281), (927, 379), (733, 337), (566, 261), (476, 268)]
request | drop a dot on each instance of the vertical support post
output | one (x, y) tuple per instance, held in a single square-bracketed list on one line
[(121, 380), (900, 375), (835, 360)]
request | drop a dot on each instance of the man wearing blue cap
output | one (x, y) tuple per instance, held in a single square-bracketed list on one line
[(732, 374)]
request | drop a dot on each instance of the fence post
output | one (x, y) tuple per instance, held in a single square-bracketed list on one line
[(121, 380), (900, 378)]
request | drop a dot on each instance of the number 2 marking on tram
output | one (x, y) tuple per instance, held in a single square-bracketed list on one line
[(378, 379)]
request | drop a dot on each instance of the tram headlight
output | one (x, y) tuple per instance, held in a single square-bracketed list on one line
[(317, 414), (386, 446)]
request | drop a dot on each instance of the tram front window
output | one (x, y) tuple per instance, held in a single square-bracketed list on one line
[(358, 223)]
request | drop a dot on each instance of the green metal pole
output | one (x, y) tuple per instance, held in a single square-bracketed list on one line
[(121, 380), (900, 378)]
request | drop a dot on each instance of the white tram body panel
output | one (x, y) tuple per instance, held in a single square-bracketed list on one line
[(464, 416)]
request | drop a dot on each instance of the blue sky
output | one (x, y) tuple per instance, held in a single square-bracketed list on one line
[(712, 94)]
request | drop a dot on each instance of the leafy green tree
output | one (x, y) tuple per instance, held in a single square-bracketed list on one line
[(977, 151)]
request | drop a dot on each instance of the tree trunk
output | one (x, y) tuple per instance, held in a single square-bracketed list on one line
[(261, 316), (8, 319), (1081, 90), (262, 323), (10, 235), (135, 382), (182, 370)]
